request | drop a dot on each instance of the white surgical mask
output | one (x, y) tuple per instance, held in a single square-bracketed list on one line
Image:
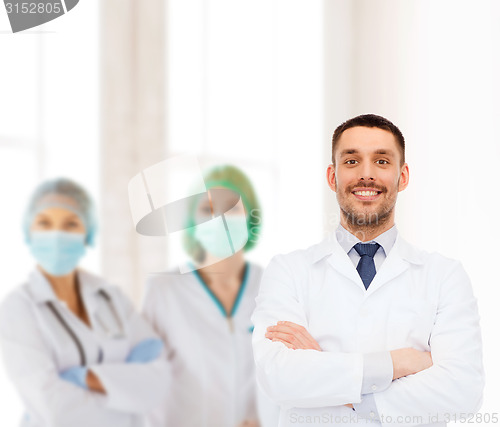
[(58, 252), (212, 235)]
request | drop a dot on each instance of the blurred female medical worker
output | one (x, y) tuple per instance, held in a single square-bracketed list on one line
[(74, 347), (204, 316)]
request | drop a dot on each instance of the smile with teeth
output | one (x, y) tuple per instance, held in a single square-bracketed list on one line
[(366, 193)]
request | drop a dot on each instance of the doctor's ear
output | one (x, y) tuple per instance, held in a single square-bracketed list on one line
[(330, 177), (404, 177)]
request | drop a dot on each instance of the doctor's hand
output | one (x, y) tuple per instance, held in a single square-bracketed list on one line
[(292, 335), (94, 383), (408, 361), (146, 351), (76, 376), (249, 423), (82, 377)]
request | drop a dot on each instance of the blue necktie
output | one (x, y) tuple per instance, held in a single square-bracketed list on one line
[(366, 265)]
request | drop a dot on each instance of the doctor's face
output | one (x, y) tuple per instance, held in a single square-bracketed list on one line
[(367, 176), (221, 240), (218, 201), (57, 219)]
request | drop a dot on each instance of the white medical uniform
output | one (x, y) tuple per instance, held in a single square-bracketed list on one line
[(36, 347), (416, 299), (213, 369)]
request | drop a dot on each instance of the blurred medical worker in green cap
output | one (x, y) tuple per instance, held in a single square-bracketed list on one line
[(203, 316)]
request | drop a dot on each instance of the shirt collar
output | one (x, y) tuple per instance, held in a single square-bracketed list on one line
[(347, 240), (41, 291), (330, 246)]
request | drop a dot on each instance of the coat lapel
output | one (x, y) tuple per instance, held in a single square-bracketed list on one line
[(341, 262), (393, 266), (399, 259)]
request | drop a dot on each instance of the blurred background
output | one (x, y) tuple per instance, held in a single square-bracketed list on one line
[(116, 86)]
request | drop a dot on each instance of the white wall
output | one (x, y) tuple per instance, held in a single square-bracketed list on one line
[(245, 86)]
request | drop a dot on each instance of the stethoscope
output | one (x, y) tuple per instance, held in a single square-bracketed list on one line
[(74, 337)]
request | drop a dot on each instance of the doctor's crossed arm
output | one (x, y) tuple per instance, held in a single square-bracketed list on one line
[(50, 394), (141, 381), (32, 369), (298, 378), (277, 297), (294, 372), (145, 351), (405, 361)]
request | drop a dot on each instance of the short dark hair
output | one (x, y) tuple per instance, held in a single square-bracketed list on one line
[(370, 121)]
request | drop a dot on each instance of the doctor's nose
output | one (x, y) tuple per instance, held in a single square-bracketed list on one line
[(367, 174)]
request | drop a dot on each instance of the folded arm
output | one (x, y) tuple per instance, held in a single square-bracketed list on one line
[(455, 382), (30, 366), (291, 350), (301, 377), (134, 385)]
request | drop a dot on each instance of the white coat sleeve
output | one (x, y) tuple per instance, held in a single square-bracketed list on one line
[(30, 366), (134, 387), (151, 309), (298, 378), (455, 382)]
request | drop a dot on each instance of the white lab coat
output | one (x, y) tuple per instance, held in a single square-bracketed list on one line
[(36, 348), (417, 299), (213, 371)]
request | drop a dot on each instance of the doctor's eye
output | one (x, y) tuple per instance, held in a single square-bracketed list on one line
[(43, 223), (351, 160), (383, 160), (71, 224), (205, 208)]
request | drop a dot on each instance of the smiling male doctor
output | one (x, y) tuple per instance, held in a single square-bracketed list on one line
[(364, 327)]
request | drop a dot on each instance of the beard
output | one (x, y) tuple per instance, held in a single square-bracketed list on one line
[(366, 217)]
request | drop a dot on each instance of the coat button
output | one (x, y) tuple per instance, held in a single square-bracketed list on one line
[(372, 414), (374, 387)]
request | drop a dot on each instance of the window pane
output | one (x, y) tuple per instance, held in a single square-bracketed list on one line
[(19, 85)]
